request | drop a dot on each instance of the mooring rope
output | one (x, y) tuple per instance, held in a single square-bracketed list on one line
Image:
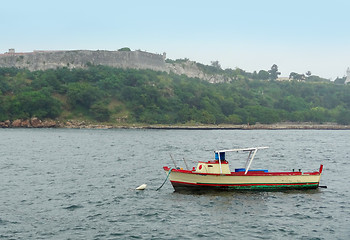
[(165, 179)]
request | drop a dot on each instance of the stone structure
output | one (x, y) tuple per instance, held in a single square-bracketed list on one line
[(190, 69), (43, 60), (11, 51), (347, 80)]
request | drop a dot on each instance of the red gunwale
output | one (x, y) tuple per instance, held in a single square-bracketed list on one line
[(257, 173)]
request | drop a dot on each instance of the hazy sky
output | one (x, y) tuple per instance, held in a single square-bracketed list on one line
[(297, 35)]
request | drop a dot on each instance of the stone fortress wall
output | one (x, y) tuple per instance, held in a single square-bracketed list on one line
[(43, 60)]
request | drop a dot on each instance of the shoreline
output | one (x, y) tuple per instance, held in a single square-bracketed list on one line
[(277, 126), (74, 124)]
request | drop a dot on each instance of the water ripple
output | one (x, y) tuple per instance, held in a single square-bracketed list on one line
[(73, 207), (80, 184)]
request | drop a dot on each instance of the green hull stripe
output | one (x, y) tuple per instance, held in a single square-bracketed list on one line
[(273, 187)]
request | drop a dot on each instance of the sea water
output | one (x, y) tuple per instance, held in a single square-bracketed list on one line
[(80, 184)]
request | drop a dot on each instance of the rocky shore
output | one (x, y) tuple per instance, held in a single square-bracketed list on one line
[(49, 123), (28, 123)]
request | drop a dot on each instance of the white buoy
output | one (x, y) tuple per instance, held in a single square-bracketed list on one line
[(141, 187)]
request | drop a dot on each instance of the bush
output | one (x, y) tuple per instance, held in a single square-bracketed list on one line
[(100, 112), (83, 94)]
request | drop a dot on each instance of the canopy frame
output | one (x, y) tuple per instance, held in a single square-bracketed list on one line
[(251, 156)]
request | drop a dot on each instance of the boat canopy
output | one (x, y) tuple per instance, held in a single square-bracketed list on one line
[(240, 149), (220, 155)]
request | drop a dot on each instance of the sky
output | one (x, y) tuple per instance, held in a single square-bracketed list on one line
[(296, 35)]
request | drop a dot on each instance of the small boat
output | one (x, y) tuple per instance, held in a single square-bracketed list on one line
[(216, 174)]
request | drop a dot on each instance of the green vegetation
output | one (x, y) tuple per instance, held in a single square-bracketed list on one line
[(274, 72), (124, 49), (105, 94)]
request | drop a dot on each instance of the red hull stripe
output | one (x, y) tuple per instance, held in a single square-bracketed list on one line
[(245, 184)]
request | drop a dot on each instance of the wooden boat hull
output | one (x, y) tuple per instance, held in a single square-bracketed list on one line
[(190, 180)]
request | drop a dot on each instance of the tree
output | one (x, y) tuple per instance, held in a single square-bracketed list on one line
[(296, 76), (234, 119), (5, 87), (124, 49), (4, 107), (263, 75), (292, 103), (83, 94), (292, 75), (35, 104), (274, 72), (100, 112), (216, 64), (343, 116)]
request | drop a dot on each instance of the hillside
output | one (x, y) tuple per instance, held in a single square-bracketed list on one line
[(116, 96)]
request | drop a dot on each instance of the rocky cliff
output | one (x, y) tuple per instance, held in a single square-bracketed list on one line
[(191, 69), (43, 60)]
